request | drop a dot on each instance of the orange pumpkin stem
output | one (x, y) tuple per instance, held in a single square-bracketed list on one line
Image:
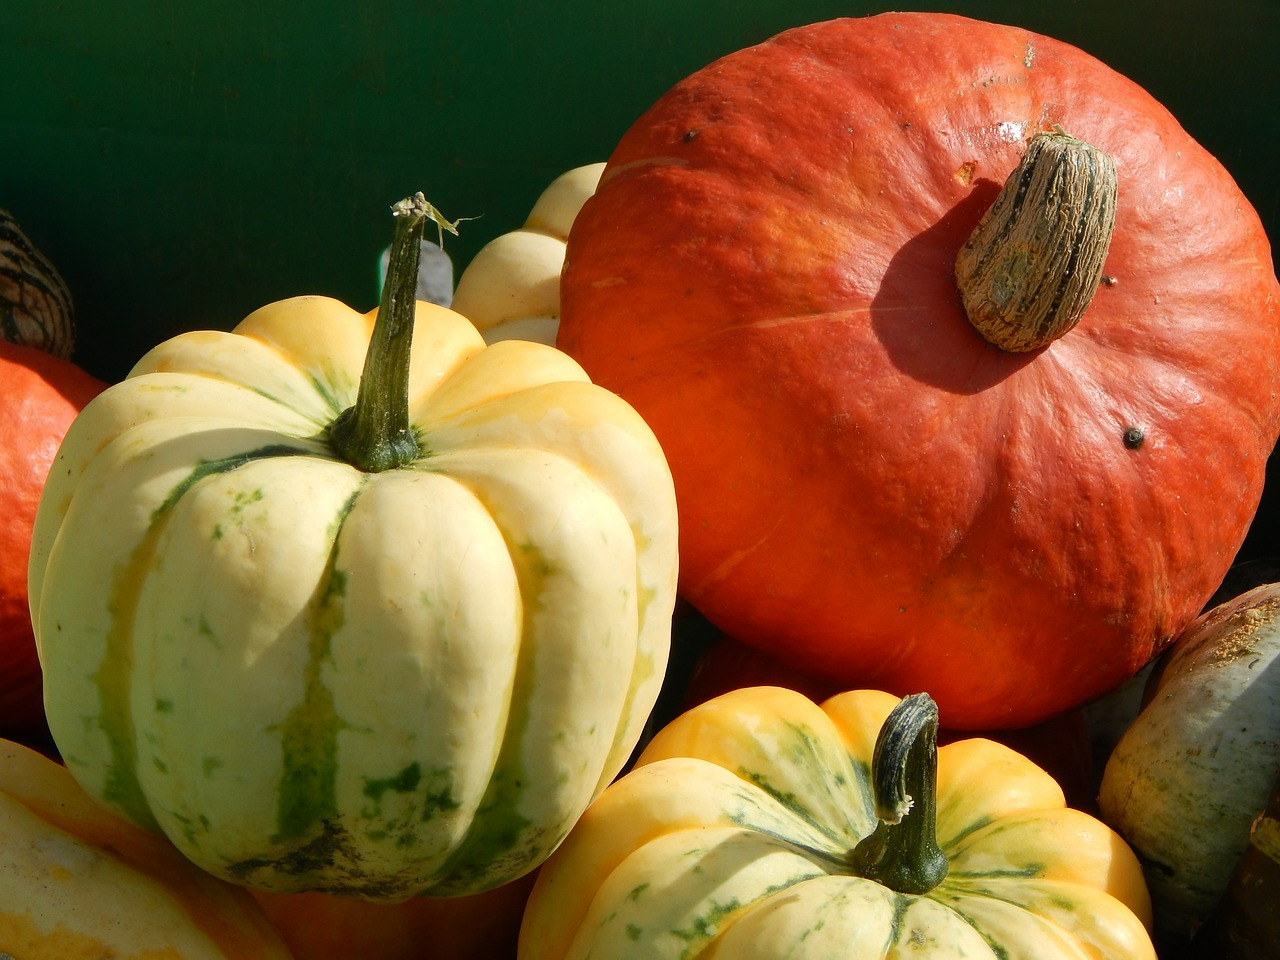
[(1030, 269)]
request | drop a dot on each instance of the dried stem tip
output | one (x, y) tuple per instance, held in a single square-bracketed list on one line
[(1030, 269)]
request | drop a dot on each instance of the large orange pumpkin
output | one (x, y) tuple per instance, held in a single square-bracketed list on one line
[(868, 487)]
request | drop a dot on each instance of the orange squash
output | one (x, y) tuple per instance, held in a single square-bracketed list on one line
[(479, 926), (868, 487), (77, 883), (40, 395)]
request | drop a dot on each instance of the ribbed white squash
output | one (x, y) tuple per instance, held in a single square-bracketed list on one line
[(375, 684), (511, 288)]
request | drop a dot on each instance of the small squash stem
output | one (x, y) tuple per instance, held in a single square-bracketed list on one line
[(1030, 269), (374, 434), (902, 853)]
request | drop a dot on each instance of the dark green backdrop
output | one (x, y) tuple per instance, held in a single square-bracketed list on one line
[(185, 163)]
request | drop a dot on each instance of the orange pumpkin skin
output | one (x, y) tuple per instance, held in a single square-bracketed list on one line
[(39, 397), (867, 488), (481, 926)]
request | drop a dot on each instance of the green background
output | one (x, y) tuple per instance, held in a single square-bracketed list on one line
[(185, 163)]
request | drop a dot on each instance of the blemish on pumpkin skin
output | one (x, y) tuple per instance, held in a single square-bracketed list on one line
[(639, 165)]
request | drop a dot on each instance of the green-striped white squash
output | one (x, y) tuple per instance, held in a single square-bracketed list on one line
[(1194, 769), (750, 830), (311, 676)]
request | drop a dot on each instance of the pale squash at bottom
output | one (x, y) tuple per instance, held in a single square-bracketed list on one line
[(1196, 766), (77, 883), (737, 835)]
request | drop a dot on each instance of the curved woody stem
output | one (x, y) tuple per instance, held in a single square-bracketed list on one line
[(902, 853)]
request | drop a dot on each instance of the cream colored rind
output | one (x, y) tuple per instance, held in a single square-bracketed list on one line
[(730, 839), (459, 654), (511, 287), (1195, 767)]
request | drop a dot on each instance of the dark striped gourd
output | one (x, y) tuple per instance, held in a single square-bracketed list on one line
[(35, 304)]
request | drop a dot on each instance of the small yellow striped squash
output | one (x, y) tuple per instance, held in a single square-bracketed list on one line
[(36, 309), (734, 837)]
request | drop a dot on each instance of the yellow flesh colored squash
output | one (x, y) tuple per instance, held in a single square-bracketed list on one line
[(77, 883), (737, 834), (312, 676)]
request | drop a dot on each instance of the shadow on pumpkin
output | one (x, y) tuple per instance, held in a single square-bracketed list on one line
[(917, 314)]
